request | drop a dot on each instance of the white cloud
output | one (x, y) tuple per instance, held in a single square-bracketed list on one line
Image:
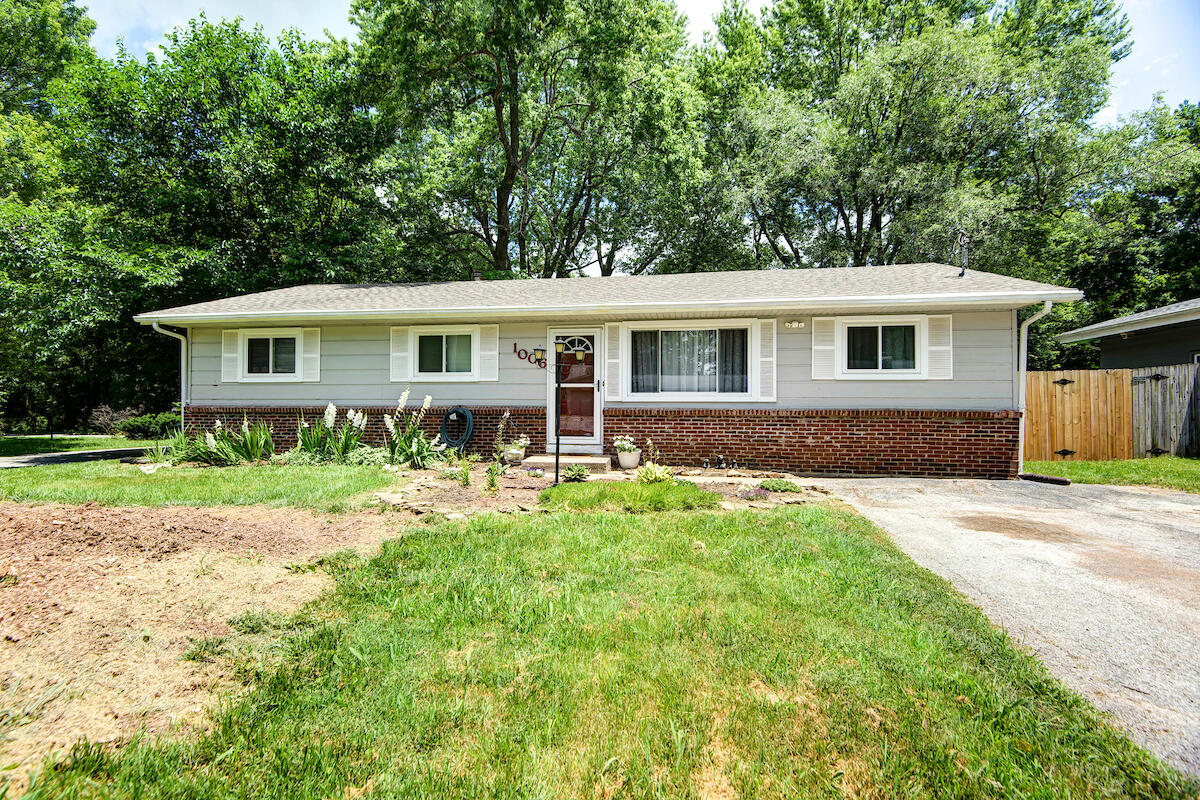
[(142, 23)]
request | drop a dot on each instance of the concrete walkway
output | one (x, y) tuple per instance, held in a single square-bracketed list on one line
[(1101, 582), (69, 457)]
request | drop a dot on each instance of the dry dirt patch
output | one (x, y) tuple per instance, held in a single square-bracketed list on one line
[(99, 604)]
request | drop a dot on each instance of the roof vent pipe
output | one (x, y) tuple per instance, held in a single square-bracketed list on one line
[(963, 242)]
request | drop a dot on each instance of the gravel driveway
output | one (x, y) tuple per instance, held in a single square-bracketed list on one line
[(1101, 582)]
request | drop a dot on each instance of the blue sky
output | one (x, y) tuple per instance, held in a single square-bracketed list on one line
[(1166, 33)]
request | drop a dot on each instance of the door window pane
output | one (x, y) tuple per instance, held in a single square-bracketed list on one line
[(862, 347), (688, 361), (899, 347), (258, 356), (645, 361), (429, 353), (285, 355), (578, 411), (734, 376), (458, 352)]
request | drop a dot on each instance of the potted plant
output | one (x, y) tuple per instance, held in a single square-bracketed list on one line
[(628, 453), (514, 451)]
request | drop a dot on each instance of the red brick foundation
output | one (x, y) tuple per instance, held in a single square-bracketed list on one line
[(944, 444)]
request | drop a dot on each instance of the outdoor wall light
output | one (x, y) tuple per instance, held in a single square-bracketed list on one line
[(579, 355), (539, 354)]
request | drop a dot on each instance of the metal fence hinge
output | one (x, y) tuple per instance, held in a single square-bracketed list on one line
[(1064, 452), (1157, 451), (1064, 381)]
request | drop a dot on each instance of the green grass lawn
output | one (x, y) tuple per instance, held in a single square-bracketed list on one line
[(781, 654), (602, 495), (27, 445), (113, 484), (1170, 472)]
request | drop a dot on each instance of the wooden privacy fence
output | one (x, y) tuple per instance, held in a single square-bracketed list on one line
[(1102, 414)]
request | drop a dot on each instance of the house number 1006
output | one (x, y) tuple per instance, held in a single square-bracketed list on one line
[(526, 355)]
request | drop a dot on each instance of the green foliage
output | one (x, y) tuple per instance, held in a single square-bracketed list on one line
[(328, 440), (779, 485), (27, 445), (39, 39), (405, 442), (651, 472), (491, 484), (790, 653), (626, 497), (150, 426), (576, 473)]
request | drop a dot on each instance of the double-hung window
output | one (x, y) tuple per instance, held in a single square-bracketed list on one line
[(270, 354), (877, 348), (444, 353), (690, 361), (893, 347)]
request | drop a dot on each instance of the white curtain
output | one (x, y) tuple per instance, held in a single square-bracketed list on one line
[(689, 361)]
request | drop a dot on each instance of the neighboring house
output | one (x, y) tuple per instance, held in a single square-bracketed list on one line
[(907, 369), (1155, 338)]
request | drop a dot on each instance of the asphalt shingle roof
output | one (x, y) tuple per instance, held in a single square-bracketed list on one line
[(795, 288), (1163, 315)]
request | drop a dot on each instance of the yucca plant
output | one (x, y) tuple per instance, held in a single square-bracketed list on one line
[(406, 444), (253, 443)]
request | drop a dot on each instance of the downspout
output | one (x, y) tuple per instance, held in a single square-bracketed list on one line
[(1022, 357), (183, 369)]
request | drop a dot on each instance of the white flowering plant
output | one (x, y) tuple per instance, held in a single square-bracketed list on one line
[(406, 444), (625, 444), (225, 446), (327, 440)]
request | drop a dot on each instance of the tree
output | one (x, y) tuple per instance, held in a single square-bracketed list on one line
[(519, 122), (38, 40)]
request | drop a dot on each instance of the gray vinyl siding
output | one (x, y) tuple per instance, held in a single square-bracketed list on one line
[(355, 359), (1154, 347)]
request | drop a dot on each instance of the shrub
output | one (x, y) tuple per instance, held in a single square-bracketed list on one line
[(651, 472), (405, 443), (779, 485), (576, 473), (149, 426), (105, 419)]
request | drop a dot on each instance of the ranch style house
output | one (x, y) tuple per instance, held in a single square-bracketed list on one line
[(914, 369)]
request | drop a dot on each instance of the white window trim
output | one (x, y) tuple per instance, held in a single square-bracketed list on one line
[(414, 334), (752, 360), (920, 372), (245, 334)]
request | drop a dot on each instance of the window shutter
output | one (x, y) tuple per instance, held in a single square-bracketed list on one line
[(612, 361), (400, 370), (823, 348), (230, 371), (310, 349), (489, 352), (941, 347), (766, 359)]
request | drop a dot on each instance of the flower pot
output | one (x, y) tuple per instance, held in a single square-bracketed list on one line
[(514, 456), (630, 459)]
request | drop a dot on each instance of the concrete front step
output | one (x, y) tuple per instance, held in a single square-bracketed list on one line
[(594, 464)]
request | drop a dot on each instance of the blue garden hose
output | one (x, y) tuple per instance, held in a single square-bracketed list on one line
[(459, 442)]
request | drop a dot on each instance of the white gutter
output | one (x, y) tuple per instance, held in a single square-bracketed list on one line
[(1022, 357), (784, 304), (183, 368)]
